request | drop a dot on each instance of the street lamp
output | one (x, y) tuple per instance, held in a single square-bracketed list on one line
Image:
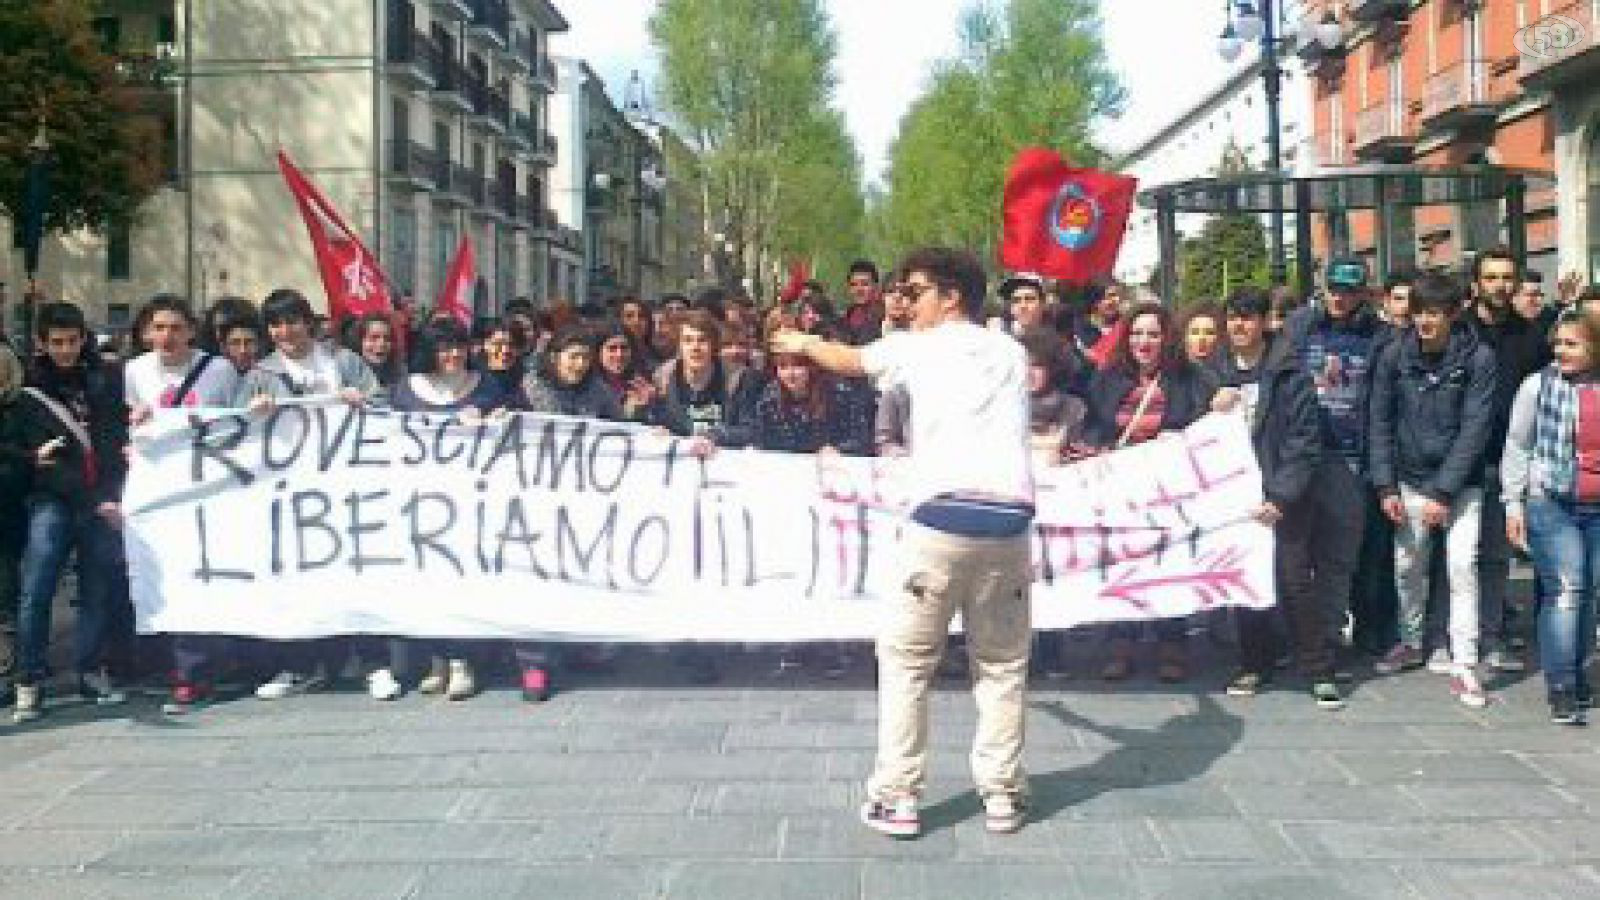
[(1247, 23), (35, 205)]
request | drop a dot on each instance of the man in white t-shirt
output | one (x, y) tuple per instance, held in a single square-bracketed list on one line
[(154, 380), (174, 374), (966, 548)]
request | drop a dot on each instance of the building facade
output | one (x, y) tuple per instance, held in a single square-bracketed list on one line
[(1457, 83), (1192, 144), (421, 120)]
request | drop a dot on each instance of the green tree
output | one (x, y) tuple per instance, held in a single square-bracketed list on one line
[(1229, 251), (751, 82), (1030, 73), (105, 156)]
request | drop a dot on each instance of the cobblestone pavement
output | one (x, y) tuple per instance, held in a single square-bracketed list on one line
[(640, 785)]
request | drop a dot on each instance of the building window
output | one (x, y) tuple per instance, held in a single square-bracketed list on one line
[(1594, 203), (119, 251), (444, 246), (505, 262), (403, 250)]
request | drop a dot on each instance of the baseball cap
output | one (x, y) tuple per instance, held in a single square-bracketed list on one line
[(1348, 273), (1022, 280)]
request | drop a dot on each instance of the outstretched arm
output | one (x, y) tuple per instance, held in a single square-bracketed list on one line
[(840, 359)]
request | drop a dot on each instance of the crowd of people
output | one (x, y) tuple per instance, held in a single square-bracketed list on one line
[(1412, 438)]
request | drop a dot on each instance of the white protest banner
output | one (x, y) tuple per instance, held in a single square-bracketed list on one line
[(329, 519)]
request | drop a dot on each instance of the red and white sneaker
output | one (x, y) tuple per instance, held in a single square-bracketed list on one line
[(1468, 689), (535, 685), (897, 817), (186, 695)]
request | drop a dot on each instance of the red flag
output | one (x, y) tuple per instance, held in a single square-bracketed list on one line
[(1063, 222), (456, 298), (351, 276), (799, 274)]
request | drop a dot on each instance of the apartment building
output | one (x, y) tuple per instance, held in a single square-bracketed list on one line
[(1452, 83), (422, 120)]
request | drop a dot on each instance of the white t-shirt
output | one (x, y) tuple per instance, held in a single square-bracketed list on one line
[(969, 395), (317, 375), (146, 382)]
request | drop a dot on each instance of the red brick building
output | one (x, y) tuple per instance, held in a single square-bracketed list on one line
[(1462, 82)]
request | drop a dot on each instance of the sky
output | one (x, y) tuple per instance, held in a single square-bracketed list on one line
[(1164, 50)]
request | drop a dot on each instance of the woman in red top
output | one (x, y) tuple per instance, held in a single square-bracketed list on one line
[(1148, 386)]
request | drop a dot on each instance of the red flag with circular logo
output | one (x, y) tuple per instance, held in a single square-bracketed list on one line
[(1061, 221)]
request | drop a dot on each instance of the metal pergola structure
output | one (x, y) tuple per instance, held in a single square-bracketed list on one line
[(1381, 188)]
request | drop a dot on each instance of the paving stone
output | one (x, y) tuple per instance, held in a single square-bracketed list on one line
[(115, 811), (843, 837), (780, 799), (725, 838), (1250, 840), (1563, 841), (218, 847), (166, 884), (1001, 881), (330, 882), (465, 841), (1543, 882), (775, 880), (546, 801), (1277, 882), (41, 848), (559, 881), (1440, 765), (1324, 801), (1566, 768), (1492, 800), (1471, 842)]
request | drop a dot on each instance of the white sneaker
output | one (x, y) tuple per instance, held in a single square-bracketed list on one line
[(461, 685), (1003, 813), (97, 686), (1468, 689), (436, 680), (382, 685), (1439, 662), (288, 684), (1504, 661), (29, 703)]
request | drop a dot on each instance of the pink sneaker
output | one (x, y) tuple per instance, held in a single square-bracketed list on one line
[(1468, 689), (897, 818), (535, 685)]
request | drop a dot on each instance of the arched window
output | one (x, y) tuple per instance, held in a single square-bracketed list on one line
[(1593, 199)]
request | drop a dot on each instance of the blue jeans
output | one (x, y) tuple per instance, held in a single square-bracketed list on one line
[(55, 529), (1565, 541)]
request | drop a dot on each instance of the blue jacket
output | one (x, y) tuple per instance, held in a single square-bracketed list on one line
[(1432, 419)]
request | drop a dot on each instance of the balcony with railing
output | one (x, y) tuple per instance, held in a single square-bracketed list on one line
[(412, 58), (412, 165), (491, 22), (502, 199), (544, 75), (1561, 47), (1382, 133), (448, 186), (1468, 93), (522, 135), (520, 55), (473, 185), (451, 85), (544, 151), (455, 10)]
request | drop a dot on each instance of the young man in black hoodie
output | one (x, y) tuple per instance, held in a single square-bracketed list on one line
[(1433, 411), (74, 427), (1520, 348), (1262, 375)]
